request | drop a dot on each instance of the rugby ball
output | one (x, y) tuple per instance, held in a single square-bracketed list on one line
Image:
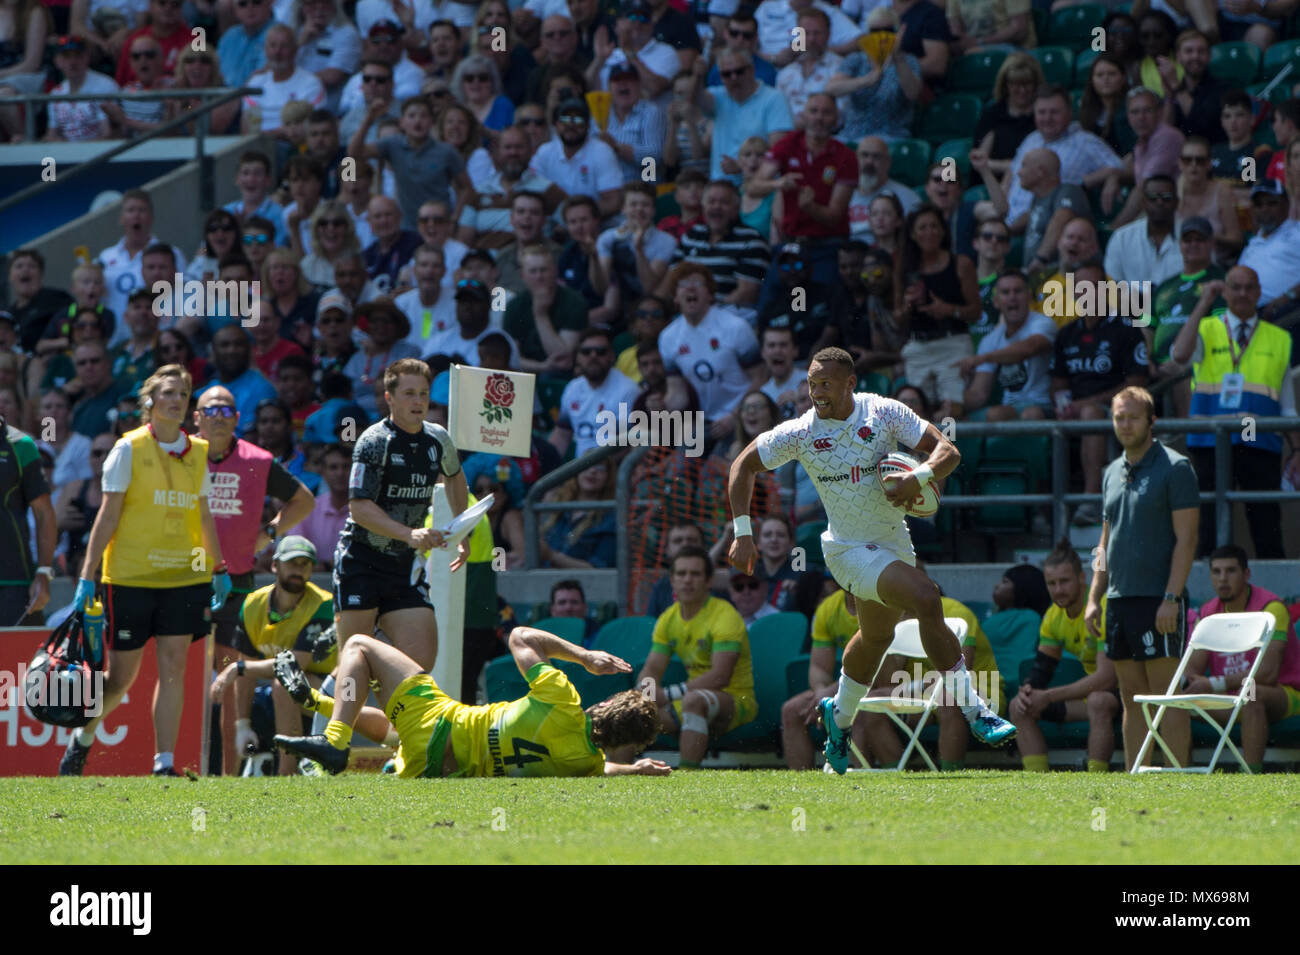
[(898, 464)]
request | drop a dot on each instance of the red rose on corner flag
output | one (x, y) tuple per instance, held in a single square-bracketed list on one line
[(498, 396)]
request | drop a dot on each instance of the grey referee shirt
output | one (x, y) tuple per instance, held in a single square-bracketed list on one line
[(1138, 504)]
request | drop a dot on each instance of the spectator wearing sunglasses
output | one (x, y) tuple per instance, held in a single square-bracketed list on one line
[(375, 84), (257, 239), (87, 327), (599, 386), (94, 389), (168, 29), (145, 54), (1147, 250), (242, 48), (80, 121), (741, 33), (748, 595), (220, 238)]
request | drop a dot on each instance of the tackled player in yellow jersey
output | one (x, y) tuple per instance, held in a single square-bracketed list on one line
[(546, 733)]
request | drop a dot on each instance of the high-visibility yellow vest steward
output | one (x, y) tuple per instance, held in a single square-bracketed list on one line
[(1263, 365), (158, 540), (314, 610)]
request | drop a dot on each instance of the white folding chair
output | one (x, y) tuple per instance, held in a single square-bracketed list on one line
[(1221, 633), (907, 643)]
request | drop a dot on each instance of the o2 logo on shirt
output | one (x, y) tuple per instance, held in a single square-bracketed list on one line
[(704, 371)]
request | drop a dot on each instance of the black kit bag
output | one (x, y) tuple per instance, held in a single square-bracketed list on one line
[(63, 685)]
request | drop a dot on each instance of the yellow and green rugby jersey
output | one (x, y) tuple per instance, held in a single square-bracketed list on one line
[(546, 733), (832, 624), (985, 661), (717, 628), (1071, 634)]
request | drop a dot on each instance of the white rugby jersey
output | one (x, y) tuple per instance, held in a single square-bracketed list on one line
[(841, 459)]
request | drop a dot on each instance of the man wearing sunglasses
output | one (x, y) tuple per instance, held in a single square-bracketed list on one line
[(656, 63), (241, 49), (383, 43), (167, 28), (741, 107), (740, 31), (242, 475), (599, 386), (145, 54), (1147, 250)]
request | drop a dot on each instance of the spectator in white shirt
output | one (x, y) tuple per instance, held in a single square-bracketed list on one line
[(778, 18), (429, 306), (1017, 354), (783, 375), (1274, 251), (812, 68), (1147, 250), (123, 262), (80, 121), (1086, 159), (710, 349), (329, 46), (599, 388), (281, 81), (874, 161), (657, 62), (634, 257), (576, 161)]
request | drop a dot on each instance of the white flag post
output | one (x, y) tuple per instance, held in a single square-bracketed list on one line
[(447, 595)]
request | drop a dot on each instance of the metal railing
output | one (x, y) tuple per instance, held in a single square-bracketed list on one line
[(1060, 431), (207, 183)]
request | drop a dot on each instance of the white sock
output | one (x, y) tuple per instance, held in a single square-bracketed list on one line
[(847, 697), (162, 761), (84, 738), (957, 684)]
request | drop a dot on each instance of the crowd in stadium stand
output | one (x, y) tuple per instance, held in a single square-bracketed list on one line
[(681, 204)]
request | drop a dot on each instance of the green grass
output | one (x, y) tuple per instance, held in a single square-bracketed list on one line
[(711, 816)]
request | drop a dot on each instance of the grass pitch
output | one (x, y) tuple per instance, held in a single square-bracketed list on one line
[(706, 817)]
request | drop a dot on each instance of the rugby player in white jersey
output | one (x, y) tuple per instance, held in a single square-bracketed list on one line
[(867, 545)]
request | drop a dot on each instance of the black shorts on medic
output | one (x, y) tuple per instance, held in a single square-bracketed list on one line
[(358, 586), (1131, 629), (134, 614), (225, 619)]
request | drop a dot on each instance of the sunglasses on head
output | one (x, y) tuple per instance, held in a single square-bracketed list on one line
[(219, 411)]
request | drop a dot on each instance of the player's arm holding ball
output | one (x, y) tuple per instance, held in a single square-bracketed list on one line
[(942, 458)]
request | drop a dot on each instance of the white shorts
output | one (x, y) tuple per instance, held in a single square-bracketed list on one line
[(856, 567)]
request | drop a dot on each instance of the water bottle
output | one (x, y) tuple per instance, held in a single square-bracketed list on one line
[(93, 620)]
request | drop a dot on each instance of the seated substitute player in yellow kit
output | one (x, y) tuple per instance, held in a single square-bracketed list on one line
[(546, 733), (709, 637)]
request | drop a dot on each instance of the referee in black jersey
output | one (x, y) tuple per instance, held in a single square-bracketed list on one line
[(394, 467)]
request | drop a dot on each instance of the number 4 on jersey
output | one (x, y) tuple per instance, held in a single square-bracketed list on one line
[(520, 758)]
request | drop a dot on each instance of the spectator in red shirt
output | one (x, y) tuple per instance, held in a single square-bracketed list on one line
[(268, 345), (168, 27), (816, 175)]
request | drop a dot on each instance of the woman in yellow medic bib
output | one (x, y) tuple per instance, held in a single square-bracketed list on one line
[(160, 552)]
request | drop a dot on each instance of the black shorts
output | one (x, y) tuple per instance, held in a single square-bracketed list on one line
[(1131, 629), (225, 619), (359, 586), (134, 614)]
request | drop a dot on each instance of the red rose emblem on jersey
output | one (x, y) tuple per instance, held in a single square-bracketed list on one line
[(865, 432), (713, 343), (498, 396), (683, 349)]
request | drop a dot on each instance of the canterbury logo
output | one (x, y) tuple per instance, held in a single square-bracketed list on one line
[(822, 444)]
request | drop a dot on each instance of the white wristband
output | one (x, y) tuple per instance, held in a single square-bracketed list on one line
[(742, 526), (924, 474), (1218, 683)]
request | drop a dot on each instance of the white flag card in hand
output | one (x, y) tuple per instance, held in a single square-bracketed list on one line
[(461, 526), (491, 410)]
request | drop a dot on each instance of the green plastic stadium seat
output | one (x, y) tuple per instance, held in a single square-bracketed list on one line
[(572, 629), (1040, 22), (504, 681), (1030, 452), (975, 72), (626, 637), (957, 150), (908, 160), (1083, 61), (980, 608), (666, 205), (1016, 252), (1237, 64), (549, 390), (1001, 518), (1279, 55), (875, 382), (972, 449), (1057, 63), (773, 642), (1280, 93), (951, 116), (1073, 26), (809, 536), (796, 676), (1013, 637)]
